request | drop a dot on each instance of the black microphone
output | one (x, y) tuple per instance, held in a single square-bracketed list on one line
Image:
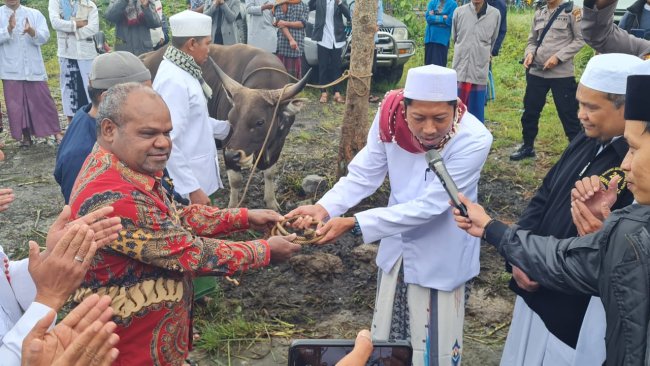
[(435, 163)]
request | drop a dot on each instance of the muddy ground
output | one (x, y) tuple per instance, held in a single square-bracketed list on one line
[(332, 300)]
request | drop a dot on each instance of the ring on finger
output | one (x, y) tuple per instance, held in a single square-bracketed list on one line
[(78, 258)]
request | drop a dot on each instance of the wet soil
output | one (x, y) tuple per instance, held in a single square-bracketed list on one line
[(327, 291)]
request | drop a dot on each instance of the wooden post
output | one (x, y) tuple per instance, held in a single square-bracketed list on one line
[(355, 120)]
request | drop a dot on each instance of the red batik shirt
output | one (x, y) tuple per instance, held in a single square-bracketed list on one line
[(148, 270)]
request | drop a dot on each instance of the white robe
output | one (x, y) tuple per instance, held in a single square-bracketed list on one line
[(417, 224), (261, 32), (20, 54), (193, 163), (14, 297)]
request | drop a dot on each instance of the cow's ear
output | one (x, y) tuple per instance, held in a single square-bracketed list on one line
[(294, 106)]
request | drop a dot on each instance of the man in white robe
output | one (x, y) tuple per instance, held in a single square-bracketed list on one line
[(193, 164), (424, 260)]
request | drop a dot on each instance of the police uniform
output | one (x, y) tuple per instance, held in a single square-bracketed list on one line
[(563, 40)]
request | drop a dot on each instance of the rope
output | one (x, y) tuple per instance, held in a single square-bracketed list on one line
[(346, 74), (309, 235)]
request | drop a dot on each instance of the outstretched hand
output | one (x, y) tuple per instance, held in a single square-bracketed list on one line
[(476, 218), (316, 212), (282, 247), (263, 219), (334, 228)]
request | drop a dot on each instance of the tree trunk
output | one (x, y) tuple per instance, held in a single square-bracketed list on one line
[(355, 119)]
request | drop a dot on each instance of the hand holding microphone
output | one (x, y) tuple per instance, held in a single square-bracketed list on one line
[(434, 160)]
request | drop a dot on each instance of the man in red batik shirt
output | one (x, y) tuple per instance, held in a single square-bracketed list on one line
[(148, 270)]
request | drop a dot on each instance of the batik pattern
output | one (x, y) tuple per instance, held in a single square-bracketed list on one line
[(148, 270)]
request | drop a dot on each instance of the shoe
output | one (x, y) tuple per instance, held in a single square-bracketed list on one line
[(26, 143), (524, 151), (323, 98)]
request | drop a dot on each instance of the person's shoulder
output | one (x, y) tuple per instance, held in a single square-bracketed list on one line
[(493, 10), (88, 3), (473, 130), (170, 73)]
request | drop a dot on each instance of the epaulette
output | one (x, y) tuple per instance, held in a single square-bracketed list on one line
[(577, 13)]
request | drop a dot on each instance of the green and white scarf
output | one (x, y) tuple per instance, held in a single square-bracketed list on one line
[(187, 63)]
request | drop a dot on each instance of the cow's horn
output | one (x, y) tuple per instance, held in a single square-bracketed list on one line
[(229, 83), (293, 90)]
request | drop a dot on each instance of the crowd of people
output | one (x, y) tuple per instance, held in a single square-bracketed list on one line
[(138, 164)]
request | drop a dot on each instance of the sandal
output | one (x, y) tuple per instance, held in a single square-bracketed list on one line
[(338, 98), (373, 99), (26, 143), (323, 98)]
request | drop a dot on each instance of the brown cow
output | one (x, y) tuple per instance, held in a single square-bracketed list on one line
[(246, 94)]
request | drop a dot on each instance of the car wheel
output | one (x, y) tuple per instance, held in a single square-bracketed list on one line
[(391, 75)]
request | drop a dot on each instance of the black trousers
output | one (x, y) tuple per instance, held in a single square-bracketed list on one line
[(564, 96), (435, 54), (329, 66)]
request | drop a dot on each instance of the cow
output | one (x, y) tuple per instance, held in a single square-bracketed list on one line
[(246, 94)]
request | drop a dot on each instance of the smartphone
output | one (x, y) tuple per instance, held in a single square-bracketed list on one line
[(327, 352)]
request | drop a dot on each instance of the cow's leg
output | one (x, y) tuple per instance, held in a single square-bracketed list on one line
[(235, 180), (269, 188)]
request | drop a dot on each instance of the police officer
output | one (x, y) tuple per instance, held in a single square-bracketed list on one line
[(548, 60)]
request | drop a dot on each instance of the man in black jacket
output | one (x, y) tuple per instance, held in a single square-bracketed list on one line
[(546, 323), (612, 263)]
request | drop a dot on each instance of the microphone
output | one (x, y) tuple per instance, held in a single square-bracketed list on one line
[(435, 163)]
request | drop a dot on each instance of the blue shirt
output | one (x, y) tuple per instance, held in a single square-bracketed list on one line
[(77, 143), (439, 29)]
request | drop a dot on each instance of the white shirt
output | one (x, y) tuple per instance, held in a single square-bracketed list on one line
[(261, 32), (417, 224), (590, 349), (73, 43), (20, 54), (193, 163), (14, 297), (328, 40)]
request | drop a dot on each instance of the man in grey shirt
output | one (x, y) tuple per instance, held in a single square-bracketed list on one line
[(475, 29)]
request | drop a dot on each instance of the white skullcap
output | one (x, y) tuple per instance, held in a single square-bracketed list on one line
[(431, 83), (608, 73), (643, 68), (189, 23)]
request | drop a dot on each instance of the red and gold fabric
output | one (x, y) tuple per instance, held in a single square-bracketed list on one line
[(148, 270)]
